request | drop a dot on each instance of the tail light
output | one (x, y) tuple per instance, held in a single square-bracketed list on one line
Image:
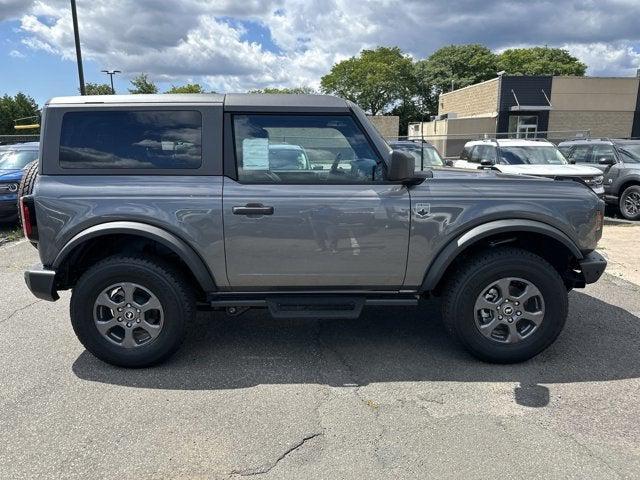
[(28, 217)]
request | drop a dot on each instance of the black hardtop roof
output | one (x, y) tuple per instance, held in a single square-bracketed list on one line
[(232, 101)]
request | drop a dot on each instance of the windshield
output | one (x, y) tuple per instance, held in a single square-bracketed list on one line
[(16, 159), (426, 154), (631, 152), (287, 159), (532, 155)]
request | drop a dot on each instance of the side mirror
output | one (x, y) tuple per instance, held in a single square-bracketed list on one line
[(485, 162), (572, 161), (402, 166), (448, 163), (606, 161)]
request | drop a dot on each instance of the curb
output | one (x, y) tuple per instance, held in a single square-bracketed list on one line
[(619, 221)]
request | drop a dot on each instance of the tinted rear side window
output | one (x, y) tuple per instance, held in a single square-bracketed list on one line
[(125, 139)]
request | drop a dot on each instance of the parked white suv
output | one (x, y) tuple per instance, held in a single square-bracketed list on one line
[(540, 158)]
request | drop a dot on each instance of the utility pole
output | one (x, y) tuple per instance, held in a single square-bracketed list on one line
[(111, 73), (74, 16)]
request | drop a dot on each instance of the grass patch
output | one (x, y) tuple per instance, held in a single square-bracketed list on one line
[(10, 233)]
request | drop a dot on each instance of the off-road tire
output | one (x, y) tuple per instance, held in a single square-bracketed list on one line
[(632, 190), (474, 274), (171, 289), (26, 187)]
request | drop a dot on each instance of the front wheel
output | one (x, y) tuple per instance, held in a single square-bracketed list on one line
[(630, 203), (130, 311), (505, 305)]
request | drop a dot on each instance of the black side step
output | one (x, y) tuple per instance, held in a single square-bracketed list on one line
[(313, 306)]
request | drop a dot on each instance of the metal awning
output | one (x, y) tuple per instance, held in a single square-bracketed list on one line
[(523, 108)]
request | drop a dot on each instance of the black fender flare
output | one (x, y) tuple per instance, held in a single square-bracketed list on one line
[(448, 254), (179, 247), (624, 181)]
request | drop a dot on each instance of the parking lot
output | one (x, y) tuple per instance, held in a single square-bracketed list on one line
[(386, 396)]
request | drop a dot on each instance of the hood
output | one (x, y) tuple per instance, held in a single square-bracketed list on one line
[(550, 170), (466, 173), (10, 176)]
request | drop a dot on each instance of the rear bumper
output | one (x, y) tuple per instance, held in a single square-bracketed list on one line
[(592, 267), (41, 282)]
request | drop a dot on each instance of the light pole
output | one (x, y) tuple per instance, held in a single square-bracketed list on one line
[(74, 16), (111, 73)]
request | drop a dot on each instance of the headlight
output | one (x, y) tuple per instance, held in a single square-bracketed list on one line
[(595, 181)]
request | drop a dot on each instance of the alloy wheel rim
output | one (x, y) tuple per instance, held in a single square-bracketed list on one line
[(509, 310), (632, 203), (128, 315)]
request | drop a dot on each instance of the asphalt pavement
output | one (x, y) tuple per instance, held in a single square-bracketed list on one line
[(385, 396)]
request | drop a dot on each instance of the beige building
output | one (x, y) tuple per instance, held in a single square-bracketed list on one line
[(387, 125), (526, 106)]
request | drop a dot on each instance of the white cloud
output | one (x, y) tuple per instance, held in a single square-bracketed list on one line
[(607, 59), (16, 54), (208, 41)]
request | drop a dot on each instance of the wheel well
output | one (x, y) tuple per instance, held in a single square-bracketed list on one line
[(552, 250), (626, 185), (95, 249)]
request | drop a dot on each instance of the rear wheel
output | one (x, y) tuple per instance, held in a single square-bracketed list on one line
[(130, 311), (505, 305), (630, 203)]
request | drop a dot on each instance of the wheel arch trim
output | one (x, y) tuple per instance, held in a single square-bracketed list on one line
[(169, 240), (450, 252)]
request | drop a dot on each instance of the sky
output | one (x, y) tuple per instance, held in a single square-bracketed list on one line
[(238, 45)]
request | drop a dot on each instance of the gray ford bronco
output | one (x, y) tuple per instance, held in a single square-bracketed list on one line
[(149, 207)]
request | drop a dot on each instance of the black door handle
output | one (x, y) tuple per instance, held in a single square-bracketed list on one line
[(253, 209)]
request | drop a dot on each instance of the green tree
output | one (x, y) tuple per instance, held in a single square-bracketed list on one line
[(286, 90), (142, 84), (540, 61), (12, 108), (376, 80), (188, 88), (456, 66), (97, 89)]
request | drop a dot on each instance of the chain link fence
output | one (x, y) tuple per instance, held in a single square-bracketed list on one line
[(11, 139)]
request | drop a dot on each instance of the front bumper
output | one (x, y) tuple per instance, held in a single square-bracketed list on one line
[(592, 267), (598, 190), (41, 282)]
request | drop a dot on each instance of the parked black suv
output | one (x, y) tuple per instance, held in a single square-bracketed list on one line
[(619, 160)]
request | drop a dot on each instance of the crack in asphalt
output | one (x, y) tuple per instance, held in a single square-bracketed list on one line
[(263, 469), (17, 310)]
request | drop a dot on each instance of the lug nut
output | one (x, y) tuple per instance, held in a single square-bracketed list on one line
[(128, 325), (517, 303), (510, 319), (499, 317), (518, 313), (138, 310), (119, 309), (232, 309), (119, 319), (138, 321)]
